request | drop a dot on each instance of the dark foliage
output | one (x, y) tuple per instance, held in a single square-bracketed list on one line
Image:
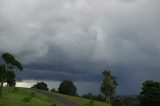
[(11, 61), (94, 97), (91, 103), (32, 94), (41, 86), (53, 90), (108, 85), (8, 65), (117, 101), (67, 87), (131, 101), (27, 99), (150, 95), (11, 81)]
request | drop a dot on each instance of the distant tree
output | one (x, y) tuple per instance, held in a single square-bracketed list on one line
[(150, 94), (67, 87), (53, 90), (8, 63), (108, 85), (100, 98), (94, 97), (131, 101), (11, 78), (41, 86), (88, 96)]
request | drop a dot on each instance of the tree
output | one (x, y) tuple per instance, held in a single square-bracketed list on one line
[(9, 63), (150, 94), (41, 86), (108, 85), (53, 90), (67, 87), (10, 79)]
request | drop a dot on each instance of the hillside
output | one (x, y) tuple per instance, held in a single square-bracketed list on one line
[(28, 97), (25, 97), (82, 101)]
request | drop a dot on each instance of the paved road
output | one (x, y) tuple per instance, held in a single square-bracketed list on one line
[(58, 98)]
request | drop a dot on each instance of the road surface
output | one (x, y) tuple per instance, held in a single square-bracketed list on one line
[(58, 98)]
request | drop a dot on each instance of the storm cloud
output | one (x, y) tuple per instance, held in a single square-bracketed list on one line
[(78, 39)]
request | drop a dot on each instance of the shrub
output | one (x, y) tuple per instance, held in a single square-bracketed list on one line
[(27, 99), (131, 101), (15, 90), (54, 105), (32, 94), (91, 102), (53, 90), (117, 101)]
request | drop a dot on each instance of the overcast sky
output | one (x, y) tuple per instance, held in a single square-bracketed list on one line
[(79, 39)]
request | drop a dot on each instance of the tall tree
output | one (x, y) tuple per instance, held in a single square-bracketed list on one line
[(67, 87), (10, 78), (3, 76), (9, 63), (108, 85), (150, 94)]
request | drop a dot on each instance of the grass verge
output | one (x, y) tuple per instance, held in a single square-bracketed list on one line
[(25, 97)]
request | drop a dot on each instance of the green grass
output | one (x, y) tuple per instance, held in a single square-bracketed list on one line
[(17, 97), (82, 101), (26, 97)]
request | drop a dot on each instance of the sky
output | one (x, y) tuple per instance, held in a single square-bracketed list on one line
[(78, 39)]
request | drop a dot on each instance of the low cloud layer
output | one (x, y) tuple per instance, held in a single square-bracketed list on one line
[(78, 39)]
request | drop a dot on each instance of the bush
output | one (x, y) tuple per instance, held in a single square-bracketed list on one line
[(15, 90), (117, 101), (32, 94), (131, 101), (54, 105), (27, 99), (53, 90), (91, 102), (95, 97)]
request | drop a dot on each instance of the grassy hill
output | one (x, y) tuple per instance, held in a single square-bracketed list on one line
[(25, 97), (83, 101)]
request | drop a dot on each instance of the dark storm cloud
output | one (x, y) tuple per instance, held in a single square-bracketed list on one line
[(78, 39)]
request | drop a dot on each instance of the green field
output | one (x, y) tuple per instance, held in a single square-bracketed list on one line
[(25, 97), (82, 101)]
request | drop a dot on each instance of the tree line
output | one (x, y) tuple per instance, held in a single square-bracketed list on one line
[(149, 96), (66, 87)]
